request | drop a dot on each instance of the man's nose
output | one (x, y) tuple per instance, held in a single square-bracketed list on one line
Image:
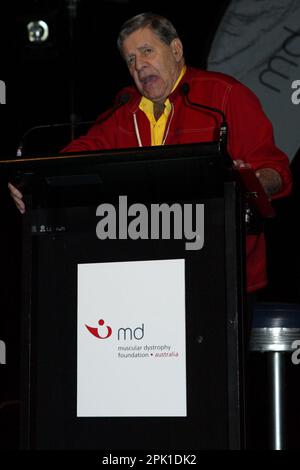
[(140, 63)]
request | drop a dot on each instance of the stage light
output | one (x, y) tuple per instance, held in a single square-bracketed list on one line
[(38, 31)]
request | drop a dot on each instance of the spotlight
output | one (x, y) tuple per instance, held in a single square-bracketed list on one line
[(38, 31)]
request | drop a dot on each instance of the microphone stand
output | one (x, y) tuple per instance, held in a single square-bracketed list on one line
[(72, 10), (185, 88)]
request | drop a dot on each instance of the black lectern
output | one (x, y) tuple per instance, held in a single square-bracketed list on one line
[(83, 381)]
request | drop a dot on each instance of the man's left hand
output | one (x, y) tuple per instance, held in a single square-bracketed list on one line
[(270, 180)]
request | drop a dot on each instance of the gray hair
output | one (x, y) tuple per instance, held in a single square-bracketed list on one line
[(160, 26)]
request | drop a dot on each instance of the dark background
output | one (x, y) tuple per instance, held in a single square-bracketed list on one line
[(41, 78), (79, 74)]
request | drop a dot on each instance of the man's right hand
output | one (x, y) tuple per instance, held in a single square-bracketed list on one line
[(17, 197)]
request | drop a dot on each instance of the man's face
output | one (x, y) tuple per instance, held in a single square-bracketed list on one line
[(154, 65)]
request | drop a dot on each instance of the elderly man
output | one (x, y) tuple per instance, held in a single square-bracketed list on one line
[(156, 112)]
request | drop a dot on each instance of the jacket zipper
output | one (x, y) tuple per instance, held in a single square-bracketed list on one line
[(137, 132)]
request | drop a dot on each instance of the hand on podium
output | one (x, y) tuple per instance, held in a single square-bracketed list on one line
[(17, 197), (268, 177)]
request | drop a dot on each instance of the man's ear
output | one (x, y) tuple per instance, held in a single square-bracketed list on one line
[(177, 49)]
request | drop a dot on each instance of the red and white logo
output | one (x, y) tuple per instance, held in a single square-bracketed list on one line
[(100, 330)]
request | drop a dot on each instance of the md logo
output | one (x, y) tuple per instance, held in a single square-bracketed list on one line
[(123, 334), (97, 332), (2, 92)]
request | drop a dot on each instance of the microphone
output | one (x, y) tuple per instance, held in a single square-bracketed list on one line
[(122, 100), (19, 152), (185, 88)]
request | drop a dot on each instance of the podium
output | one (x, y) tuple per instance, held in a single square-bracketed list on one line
[(132, 342)]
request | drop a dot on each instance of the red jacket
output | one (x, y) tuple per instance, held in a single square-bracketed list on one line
[(250, 136)]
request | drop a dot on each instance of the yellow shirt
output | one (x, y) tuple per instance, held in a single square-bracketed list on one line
[(158, 127)]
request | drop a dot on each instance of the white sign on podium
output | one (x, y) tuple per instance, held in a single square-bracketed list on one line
[(131, 357)]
